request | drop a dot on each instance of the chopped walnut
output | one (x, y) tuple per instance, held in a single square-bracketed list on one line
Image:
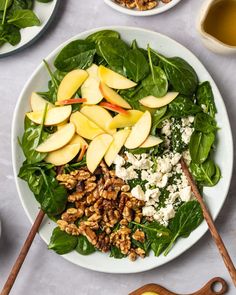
[(132, 255), (139, 235), (146, 4), (140, 252), (121, 239), (88, 233)]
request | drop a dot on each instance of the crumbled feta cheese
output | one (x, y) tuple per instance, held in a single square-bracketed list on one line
[(120, 161), (138, 193), (163, 181), (139, 161), (191, 119), (126, 174), (164, 164), (186, 135), (187, 157), (153, 194), (204, 108), (185, 194), (168, 212), (166, 129), (175, 159), (148, 211)]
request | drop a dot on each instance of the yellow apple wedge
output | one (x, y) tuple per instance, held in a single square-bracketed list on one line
[(70, 84), (38, 103), (139, 131), (158, 102), (78, 139), (54, 116), (85, 127), (121, 120), (151, 141), (90, 90), (93, 72), (63, 155), (113, 79), (58, 139), (118, 141), (98, 115), (113, 97), (97, 149)]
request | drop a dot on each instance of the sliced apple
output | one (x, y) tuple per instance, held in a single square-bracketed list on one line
[(97, 149), (58, 139), (93, 72), (85, 127), (38, 103), (98, 115), (118, 141), (140, 131), (151, 141), (113, 97), (113, 79), (54, 116), (125, 120), (90, 90), (70, 84), (158, 102), (112, 107), (78, 139), (70, 101), (63, 155)]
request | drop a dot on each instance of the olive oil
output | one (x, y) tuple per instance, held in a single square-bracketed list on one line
[(221, 21)]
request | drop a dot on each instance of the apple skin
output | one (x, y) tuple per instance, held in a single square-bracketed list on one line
[(97, 149), (99, 116), (54, 116), (113, 97), (58, 139), (158, 102), (71, 83), (128, 120), (118, 141), (139, 131), (85, 127), (113, 79), (38, 103), (151, 141)]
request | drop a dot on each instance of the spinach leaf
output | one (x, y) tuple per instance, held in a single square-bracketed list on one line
[(200, 146), (84, 247), (206, 174), (44, 1), (180, 74), (20, 4), (61, 242), (205, 97), (205, 123), (23, 18), (182, 106), (157, 119), (3, 4), (114, 51), (97, 36), (76, 54), (136, 65), (9, 33), (188, 217), (116, 253)]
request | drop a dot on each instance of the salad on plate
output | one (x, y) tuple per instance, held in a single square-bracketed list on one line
[(103, 145)]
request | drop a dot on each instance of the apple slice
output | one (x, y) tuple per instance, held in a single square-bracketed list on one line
[(140, 131), (85, 127), (54, 116), (98, 115), (63, 155), (113, 79), (93, 72), (38, 103), (78, 139), (71, 83), (113, 108), (158, 102), (70, 101), (113, 97), (97, 149), (125, 120), (118, 141), (151, 141), (58, 139)]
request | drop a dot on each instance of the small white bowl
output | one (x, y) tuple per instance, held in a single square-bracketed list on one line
[(159, 9)]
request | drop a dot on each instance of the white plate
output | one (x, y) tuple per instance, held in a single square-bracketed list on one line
[(45, 12), (215, 196), (159, 9)]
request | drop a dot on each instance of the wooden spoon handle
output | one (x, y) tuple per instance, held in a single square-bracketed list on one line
[(209, 287), (217, 238), (21, 257)]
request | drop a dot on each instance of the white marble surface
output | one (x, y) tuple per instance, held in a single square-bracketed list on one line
[(47, 273)]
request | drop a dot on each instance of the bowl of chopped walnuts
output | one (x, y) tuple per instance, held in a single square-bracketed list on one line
[(141, 7)]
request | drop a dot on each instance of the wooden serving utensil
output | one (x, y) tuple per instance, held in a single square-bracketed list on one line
[(208, 289), (216, 236), (21, 257)]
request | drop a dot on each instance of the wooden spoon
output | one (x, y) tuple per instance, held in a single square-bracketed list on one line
[(208, 289)]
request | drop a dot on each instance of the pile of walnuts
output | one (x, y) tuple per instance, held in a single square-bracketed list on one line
[(100, 208), (140, 4)]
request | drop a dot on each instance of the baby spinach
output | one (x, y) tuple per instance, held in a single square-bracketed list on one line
[(188, 217), (205, 123), (20, 4), (61, 242), (180, 74), (206, 174), (9, 33), (183, 106), (157, 118), (200, 146), (116, 253), (76, 54), (205, 98), (5, 3), (97, 36), (84, 247), (23, 18)]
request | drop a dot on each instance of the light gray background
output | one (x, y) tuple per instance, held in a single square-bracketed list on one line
[(46, 273)]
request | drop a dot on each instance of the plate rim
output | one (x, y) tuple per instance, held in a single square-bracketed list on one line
[(13, 150), (37, 36)]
